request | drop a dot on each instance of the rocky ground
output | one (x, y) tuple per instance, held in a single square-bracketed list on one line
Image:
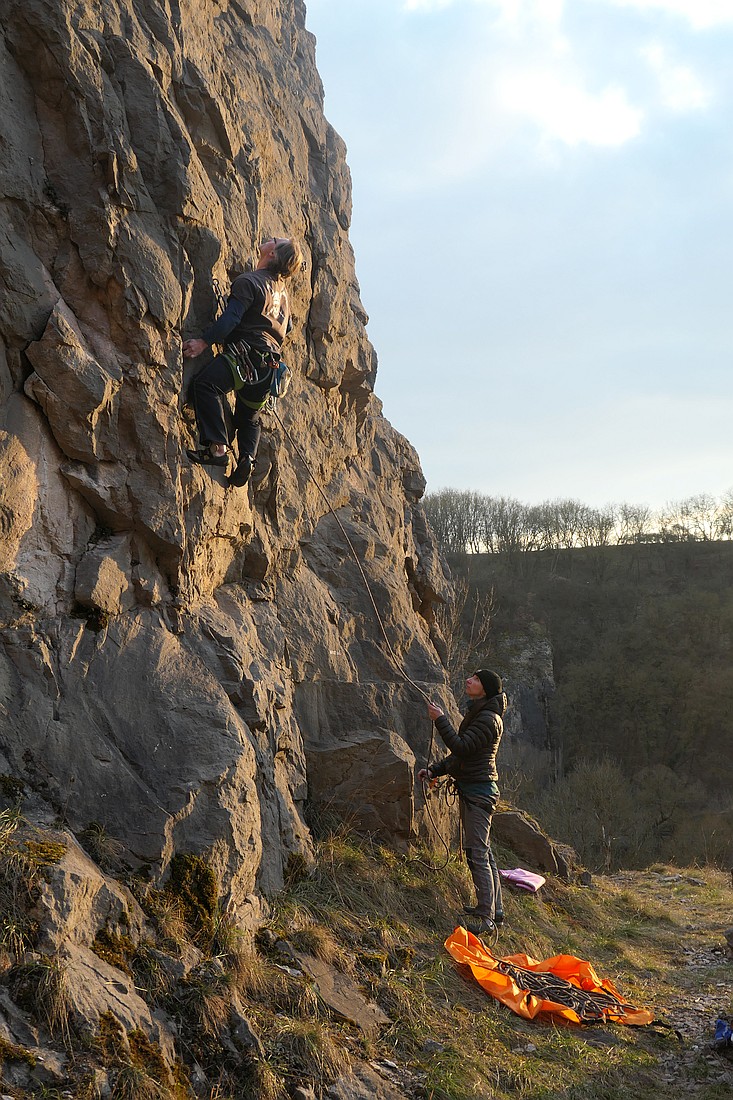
[(699, 982)]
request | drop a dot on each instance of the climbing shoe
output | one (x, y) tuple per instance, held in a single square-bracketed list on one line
[(241, 474), (480, 926), (204, 457)]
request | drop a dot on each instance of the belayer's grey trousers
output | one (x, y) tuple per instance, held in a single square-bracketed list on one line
[(476, 824)]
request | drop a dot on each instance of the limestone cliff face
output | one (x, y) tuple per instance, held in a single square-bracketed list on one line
[(182, 662)]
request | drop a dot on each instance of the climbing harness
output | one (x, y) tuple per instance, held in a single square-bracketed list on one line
[(259, 377)]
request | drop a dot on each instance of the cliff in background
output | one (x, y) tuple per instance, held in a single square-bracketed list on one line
[(181, 663)]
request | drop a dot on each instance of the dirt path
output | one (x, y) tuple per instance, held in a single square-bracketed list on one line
[(698, 983)]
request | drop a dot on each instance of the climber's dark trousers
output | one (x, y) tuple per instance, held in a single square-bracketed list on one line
[(247, 427), (208, 390), (476, 825)]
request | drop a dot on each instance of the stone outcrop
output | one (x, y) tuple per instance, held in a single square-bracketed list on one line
[(183, 663), (530, 682), (521, 833), (185, 667)]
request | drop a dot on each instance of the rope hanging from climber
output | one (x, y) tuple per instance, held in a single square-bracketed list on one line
[(251, 327)]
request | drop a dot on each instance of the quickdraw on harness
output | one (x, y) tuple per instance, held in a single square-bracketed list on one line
[(259, 377)]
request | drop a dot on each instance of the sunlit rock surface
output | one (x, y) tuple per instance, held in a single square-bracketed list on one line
[(177, 658)]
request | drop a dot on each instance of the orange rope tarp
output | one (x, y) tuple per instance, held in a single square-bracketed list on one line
[(470, 951)]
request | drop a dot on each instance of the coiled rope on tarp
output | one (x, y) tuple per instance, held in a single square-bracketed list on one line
[(591, 1006)]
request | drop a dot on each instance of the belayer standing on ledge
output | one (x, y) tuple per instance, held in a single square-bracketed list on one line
[(252, 328), (472, 765)]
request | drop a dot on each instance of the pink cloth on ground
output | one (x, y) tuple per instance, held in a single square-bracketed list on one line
[(526, 880)]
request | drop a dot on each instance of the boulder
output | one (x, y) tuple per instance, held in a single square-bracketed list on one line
[(342, 995), (78, 394), (103, 576), (521, 833), (367, 779)]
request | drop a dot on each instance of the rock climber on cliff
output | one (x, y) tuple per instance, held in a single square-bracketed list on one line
[(252, 329), (472, 765)]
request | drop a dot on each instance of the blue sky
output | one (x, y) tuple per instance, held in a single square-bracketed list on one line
[(543, 193)]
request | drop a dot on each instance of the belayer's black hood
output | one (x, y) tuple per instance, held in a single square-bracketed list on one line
[(497, 704)]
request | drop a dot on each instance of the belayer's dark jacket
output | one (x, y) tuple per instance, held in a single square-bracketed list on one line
[(257, 311), (473, 748)]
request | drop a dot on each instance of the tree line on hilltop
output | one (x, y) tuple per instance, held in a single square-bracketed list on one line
[(465, 521)]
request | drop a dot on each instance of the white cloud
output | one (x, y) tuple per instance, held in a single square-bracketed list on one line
[(701, 14), (526, 60), (680, 88), (566, 112), (426, 5), (509, 11)]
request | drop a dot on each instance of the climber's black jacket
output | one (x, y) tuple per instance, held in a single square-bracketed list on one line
[(258, 312)]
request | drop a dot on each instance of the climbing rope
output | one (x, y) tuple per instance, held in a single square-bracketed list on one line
[(221, 303), (390, 651), (426, 794), (591, 1006)]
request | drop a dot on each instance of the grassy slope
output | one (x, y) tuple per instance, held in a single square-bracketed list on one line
[(382, 919), (651, 932)]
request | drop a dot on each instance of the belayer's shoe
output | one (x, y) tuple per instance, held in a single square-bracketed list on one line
[(472, 910), (240, 477), (480, 926), (204, 457)]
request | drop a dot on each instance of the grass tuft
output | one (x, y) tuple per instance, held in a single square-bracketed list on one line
[(40, 987), (308, 1052)]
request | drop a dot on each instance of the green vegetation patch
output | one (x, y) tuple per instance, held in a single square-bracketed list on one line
[(40, 987), (639, 655), (13, 789), (26, 853), (194, 885), (44, 853), (9, 1052), (136, 1066), (115, 949)]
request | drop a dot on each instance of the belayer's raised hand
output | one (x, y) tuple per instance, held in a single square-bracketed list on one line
[(434, 712)]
